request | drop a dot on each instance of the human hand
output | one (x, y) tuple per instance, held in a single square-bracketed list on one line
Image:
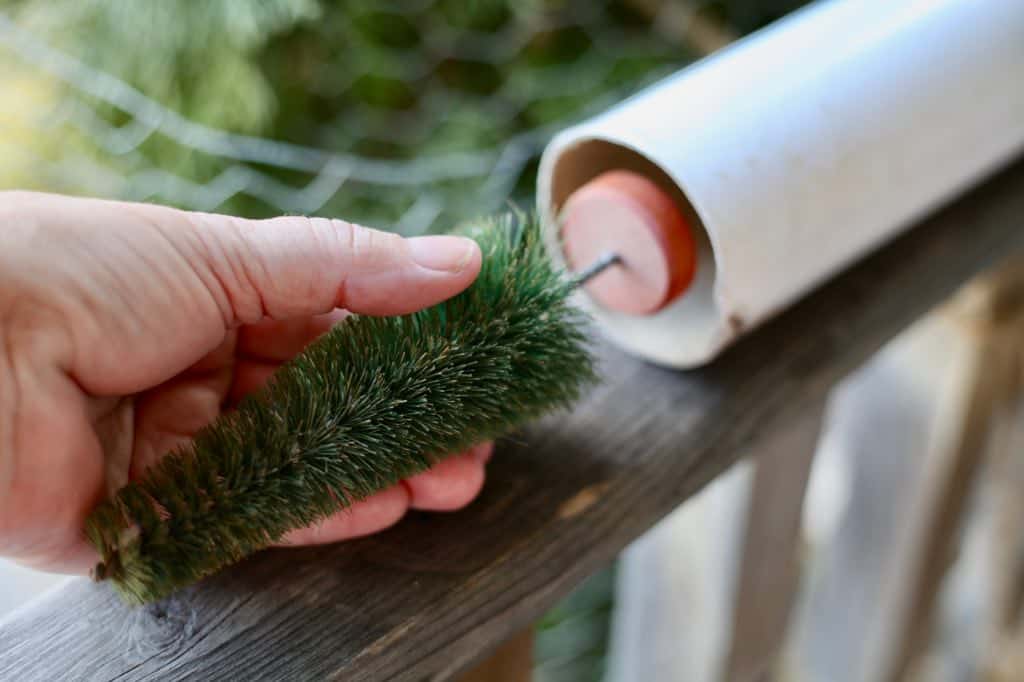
[(125, 328)]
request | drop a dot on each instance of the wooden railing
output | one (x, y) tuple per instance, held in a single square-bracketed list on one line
[(433, 596)]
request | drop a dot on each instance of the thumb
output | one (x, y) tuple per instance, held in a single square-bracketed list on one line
[(295, 266), (145, 291)]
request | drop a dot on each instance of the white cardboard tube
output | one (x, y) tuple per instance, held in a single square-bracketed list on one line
[(802, 147)]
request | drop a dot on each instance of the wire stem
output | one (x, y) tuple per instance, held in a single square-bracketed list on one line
[(596, 268)]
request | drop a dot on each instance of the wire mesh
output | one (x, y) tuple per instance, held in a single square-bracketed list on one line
[(408, 116)]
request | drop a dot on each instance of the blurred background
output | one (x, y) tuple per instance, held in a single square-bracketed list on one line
[(414, 115), (405, 114)]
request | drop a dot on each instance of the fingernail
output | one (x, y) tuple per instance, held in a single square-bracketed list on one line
[(444, 253)]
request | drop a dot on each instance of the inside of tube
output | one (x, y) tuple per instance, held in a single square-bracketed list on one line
[(686, 332)]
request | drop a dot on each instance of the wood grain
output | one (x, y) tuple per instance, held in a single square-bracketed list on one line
[(438, 592)]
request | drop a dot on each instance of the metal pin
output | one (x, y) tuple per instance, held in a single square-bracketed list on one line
[(596, 268)]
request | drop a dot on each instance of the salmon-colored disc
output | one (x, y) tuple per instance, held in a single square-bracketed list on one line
[(628, 214)]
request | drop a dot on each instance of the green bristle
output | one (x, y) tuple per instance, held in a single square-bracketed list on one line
[(372, 402)]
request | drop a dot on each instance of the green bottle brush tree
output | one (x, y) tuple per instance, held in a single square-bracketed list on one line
[(372, 402)]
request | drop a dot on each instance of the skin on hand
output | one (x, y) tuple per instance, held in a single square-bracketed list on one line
[(125, 328)]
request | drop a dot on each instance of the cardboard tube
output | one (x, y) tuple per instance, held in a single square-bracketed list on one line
[(800, 148)]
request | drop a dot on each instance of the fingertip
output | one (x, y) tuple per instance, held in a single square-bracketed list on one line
[(429, 270), (440, 285), (449, 486), (448, 254), (372, 515), (483, 452)]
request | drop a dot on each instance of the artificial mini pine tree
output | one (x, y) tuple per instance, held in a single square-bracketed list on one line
[(373, 401)]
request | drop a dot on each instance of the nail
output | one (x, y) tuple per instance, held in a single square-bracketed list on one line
[(444, 253)]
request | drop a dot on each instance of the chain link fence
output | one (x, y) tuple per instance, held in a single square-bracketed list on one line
[(407, 115), (404, 115)]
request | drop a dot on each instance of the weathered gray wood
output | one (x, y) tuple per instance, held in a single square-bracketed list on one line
[(439, 591)]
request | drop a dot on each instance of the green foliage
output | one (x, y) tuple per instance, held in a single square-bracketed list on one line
[(571, 640), (374, 401), (392, 82), (199, 59), (194, 57)]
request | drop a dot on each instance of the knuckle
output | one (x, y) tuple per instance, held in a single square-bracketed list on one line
[(313, 228), (367, 249), (232, 266)]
